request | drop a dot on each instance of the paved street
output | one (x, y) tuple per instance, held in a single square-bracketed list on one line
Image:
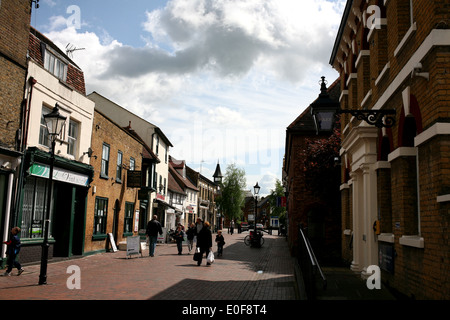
[(243, 273)]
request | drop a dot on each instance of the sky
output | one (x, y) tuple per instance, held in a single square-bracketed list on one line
[(223, 79)]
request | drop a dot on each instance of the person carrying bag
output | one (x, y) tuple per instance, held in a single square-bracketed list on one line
[(204, 242)]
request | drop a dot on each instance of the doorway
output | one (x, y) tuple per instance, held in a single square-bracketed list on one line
[(115, 228)]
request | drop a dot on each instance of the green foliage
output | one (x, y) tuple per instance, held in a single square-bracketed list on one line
[(233, 194), (276, 211), (321, 174)]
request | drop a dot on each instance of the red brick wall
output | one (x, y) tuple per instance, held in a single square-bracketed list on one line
[(419, 272)]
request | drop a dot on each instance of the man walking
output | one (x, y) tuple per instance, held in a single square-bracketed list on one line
[(153, 228)]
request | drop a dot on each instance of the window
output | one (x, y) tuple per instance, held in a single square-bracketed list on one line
[(155, 181), (73, 137), (105, 161), (43, 132), (100, 215), (157, 144), (55, 66), (34, 208), (132, 164), (128, 219), (119, 166)]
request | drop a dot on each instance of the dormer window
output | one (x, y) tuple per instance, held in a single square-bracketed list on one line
[(55, 66)]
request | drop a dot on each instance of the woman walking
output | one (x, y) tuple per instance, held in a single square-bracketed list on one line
[(190, 233), (204, 241)]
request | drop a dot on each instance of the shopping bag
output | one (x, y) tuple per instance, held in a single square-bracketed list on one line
[(210, 258), (197, 255)]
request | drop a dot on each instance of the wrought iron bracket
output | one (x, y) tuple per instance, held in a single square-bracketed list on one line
[(378, 118)]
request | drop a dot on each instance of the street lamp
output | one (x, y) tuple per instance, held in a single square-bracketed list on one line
[(256, 189), (324, 109), (54, 122)]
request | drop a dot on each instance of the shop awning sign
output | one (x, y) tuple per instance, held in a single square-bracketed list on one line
[(62, 175)]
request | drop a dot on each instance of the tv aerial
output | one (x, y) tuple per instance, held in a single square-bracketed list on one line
[(70, 49)]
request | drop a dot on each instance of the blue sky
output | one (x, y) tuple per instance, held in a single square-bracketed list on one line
[(222, 78)]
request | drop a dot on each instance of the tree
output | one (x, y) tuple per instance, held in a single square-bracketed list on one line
[(321, 174), (233, 195), (275, 209)]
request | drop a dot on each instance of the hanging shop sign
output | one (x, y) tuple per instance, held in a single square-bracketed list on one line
[(134, 179), (62, 175)]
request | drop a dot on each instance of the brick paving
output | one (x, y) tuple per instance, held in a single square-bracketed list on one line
[(243, 273)]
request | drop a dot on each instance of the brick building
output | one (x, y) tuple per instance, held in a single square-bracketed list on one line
[(14, 32), (318, 213), (159, 144), (122, 164), (395, 54)]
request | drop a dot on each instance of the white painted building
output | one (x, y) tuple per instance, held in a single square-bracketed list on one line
[(54, 79)]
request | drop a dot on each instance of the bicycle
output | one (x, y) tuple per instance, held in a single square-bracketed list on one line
[(257, 241)]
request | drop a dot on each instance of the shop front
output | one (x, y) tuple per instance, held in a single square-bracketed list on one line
[(69, 190), (9, 168)]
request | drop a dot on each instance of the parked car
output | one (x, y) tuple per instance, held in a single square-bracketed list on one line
[(244, 226), (259, 226)]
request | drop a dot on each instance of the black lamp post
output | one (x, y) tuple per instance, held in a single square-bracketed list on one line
[(324, 109), (256, 189), (54, 122), (218, 181)]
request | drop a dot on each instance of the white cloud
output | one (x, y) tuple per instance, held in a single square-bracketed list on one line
[(222, 79)]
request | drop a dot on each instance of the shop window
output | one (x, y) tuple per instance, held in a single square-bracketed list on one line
[(128, 218), (100, 216), (34, 208)]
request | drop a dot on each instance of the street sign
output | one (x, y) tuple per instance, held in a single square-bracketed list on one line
[(113, 243), (133, 245)]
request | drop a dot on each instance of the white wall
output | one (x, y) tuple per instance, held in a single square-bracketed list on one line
[(48, 91)]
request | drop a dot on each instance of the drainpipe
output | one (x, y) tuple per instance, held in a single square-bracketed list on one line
[(32, 81)]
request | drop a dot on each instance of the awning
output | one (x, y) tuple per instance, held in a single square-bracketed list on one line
[(163, 203)]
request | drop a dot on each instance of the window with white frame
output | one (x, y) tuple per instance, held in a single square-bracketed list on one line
[(119, 166), (55, 66), (73, 137), (43, 132), (105, 161)]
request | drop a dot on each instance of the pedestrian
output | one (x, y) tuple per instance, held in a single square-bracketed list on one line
[(232, 227), (153, 228), (220, 240), (190, 233), (204, 241), (13, 249), (179, 237), (198, 226)]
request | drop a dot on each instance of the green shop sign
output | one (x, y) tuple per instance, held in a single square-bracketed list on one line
[(43, 171)]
